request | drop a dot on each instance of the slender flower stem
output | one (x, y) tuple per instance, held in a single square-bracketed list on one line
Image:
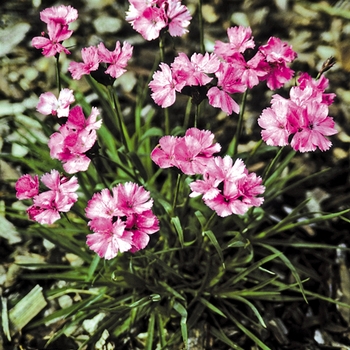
[(208, 223), (201, 31), (123, 130), (196, 110), (178, 183), (166, 111), (58, 72), (232, 149)]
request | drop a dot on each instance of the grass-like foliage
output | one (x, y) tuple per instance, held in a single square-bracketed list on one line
[(178, 241)]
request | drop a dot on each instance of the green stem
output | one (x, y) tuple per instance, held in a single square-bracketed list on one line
[(166, 111), (122, 128), (58, 72), (196, 112), (208, 223), (201, 31), (178, 182), (232, 149)]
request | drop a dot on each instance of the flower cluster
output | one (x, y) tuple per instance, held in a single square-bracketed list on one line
[(57, 20), (75, 139), (149, 17), (47, 205), (302, 120), (121, 220), (233, 74), (226, 188), (93, 56)]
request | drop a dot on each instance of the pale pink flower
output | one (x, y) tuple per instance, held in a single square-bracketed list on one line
[(240, 39), (109, 238), (117, 59), (228, 188), (121, 220), (164, 86), (27, 186), (178, 17), (164, 153), (229, 83), (77, 121), (90, 62), (60, 197), (52, 45), (49, 104), (194, 71), (60, 14)]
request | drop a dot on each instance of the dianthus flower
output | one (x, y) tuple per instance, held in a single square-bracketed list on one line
[(27, 186), (276, 54), (240, 39), (303, 119), (48, 205), (57, 20), (49, 104), (75, 139), (189, 153), (121, 220), (52, 45), (228, 188), (90, 62), (229, 82), (149, 17), (117, 59)]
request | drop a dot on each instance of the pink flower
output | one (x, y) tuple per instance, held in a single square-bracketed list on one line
[(60, 14), (164, 153), (49, 104), (121, 220), (48, 205), (52, 45), (190, 153), (75, 139), (27, 187), (109, 238), (149, 17), (228, 189), (312, 125), (240, 39), (164, 86), (178, 17), (277, 54), (194, 71), (90, 62), (117, 59), (230, 83)]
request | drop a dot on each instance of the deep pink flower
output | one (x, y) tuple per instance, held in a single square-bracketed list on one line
[(49, 104), (60, 14), (117, 59), (52, 45), (90, 62), (27, 186), (313, 124)]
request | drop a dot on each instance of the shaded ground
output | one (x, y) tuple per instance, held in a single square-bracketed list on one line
[(316, 31)]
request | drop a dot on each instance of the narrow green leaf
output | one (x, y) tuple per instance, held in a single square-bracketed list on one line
[(183, 313), (216, 245), (177, 224), (213, 308), (150, 332), (219, 334)]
